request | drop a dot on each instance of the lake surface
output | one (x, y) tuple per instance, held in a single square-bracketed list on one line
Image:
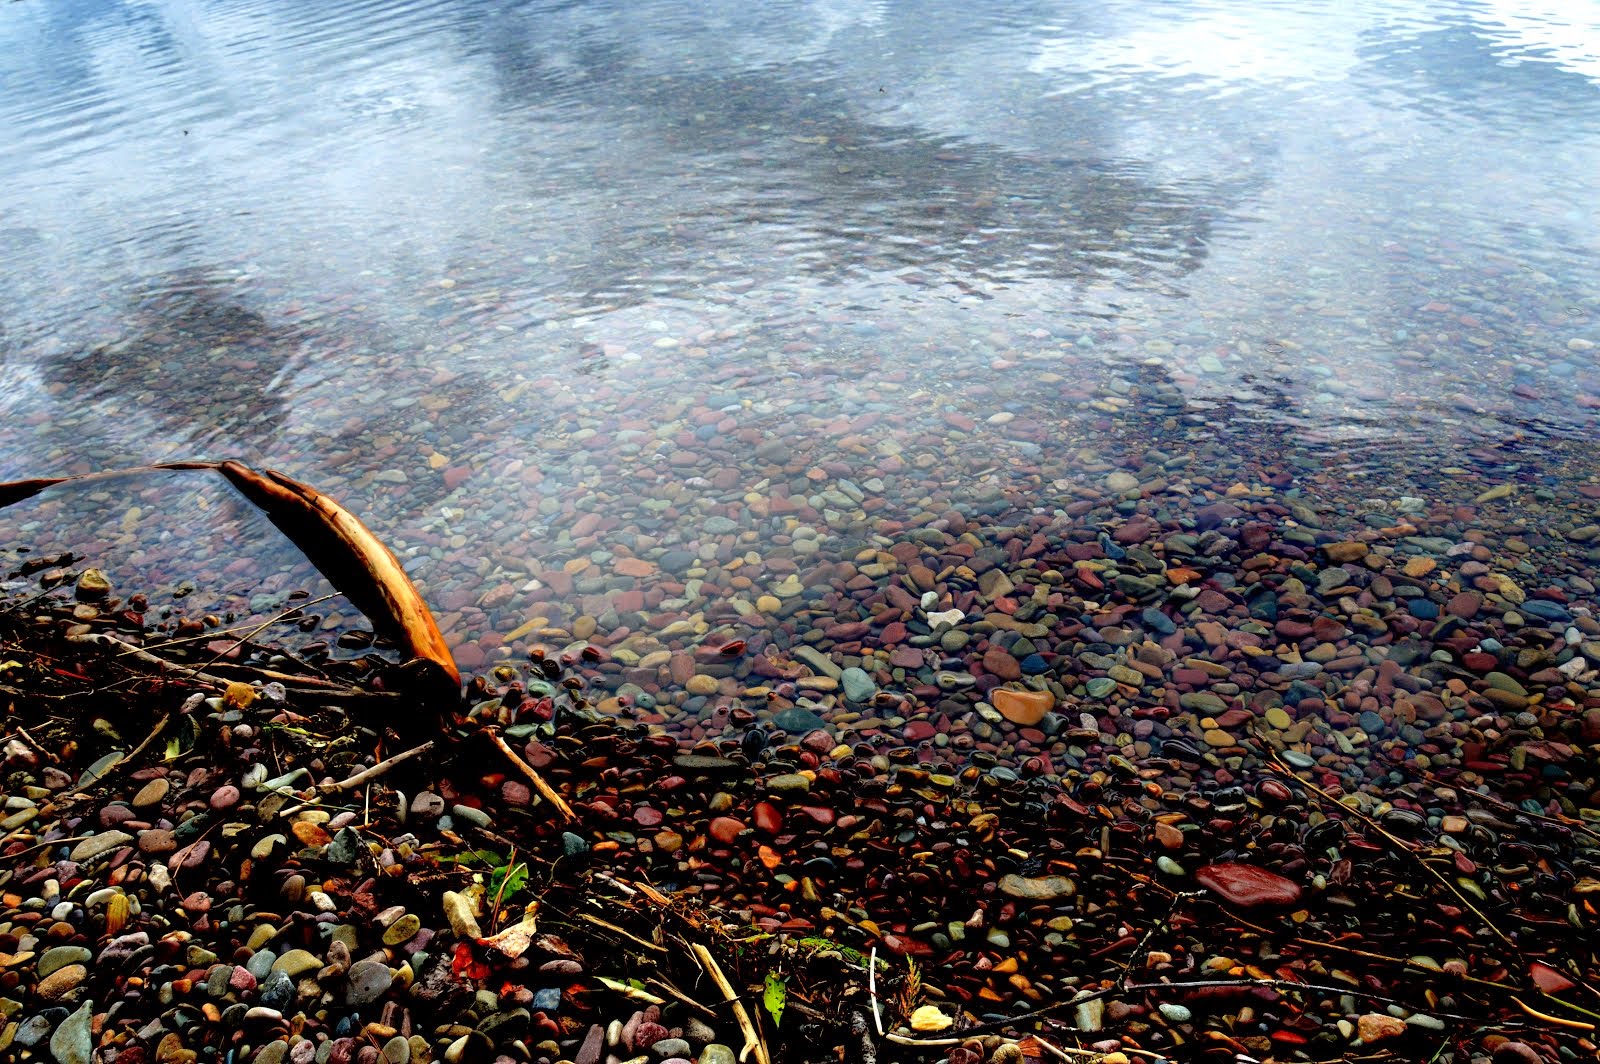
[(529, 285)]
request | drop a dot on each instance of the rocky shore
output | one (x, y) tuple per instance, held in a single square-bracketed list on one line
[(1145, 777)]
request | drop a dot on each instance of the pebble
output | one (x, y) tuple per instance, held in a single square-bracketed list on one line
[(1247, 886), (72, 1042)]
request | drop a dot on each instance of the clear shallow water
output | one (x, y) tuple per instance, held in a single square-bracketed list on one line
[(483, 270)]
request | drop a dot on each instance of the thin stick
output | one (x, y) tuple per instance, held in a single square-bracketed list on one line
[(614, 929), (1063, 1053), (681, 996), (1403, 848), (872, 986), (380, 769), (900, 1039), (752, 1040), (308, 685), (630, 991), (539, 784), (31, 741), (214, 633)]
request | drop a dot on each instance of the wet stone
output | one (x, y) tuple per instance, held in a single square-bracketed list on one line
[(1247, 886)]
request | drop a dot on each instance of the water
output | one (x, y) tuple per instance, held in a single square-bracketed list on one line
[(487, 271)]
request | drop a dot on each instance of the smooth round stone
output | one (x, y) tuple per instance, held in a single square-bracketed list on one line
[(1278, 717), (368, 980), (858, 686), (1120, 483), (58, 958), (1026, 708), (667, 1048), (402, 930), (1100, 686), (1175, 1013), (397, 1050), (152, 793), (61, 982), (224, 797)]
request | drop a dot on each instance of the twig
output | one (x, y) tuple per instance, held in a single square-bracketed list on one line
[(903, 1040), (591, 918), (263, 626), (381, 768), (681, 996), (872, 987), (31, 741), (550, 794), (752, 1040), (1403, 848), (631, 991), (214, 633), (1066, 1053), (316, 688), (1561, 821), (1573, 1025)]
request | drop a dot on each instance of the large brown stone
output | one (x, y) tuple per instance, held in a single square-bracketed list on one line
[(1247, 886), (1026, 708)]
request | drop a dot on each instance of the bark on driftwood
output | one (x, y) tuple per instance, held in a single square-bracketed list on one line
[(343, 549), (355, 561)]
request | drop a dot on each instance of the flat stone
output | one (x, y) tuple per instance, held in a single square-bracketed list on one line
[(1037, 888), (55, 959), (61, 982), (73, 1042), (1376, 1026), (1347, 551), (789, 783), (1026, 708), (297, 962), (367, 981), (858, 686), (96, 845), (997, 662), (152, 793), (1247, 886)]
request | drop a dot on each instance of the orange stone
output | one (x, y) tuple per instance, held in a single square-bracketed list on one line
[(634, 567), (1026, 708), (1376, 1026)]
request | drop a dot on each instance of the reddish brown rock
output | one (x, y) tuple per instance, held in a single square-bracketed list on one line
[(725, 829), (999, 663), (1247, 886)]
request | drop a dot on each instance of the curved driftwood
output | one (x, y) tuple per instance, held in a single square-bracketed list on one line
[(17, 490), (342, 548), (353, 559)]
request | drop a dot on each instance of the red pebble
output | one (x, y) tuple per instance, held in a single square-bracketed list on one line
[(767, 817), (725, 829)]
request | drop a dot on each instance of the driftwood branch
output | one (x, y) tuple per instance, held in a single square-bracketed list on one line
[(354, 560), (343, 549)]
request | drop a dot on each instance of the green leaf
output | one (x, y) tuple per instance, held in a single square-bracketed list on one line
[(774, 996), (506, 881)]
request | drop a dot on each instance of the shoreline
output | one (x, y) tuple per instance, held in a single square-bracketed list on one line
[(1282, 789)]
